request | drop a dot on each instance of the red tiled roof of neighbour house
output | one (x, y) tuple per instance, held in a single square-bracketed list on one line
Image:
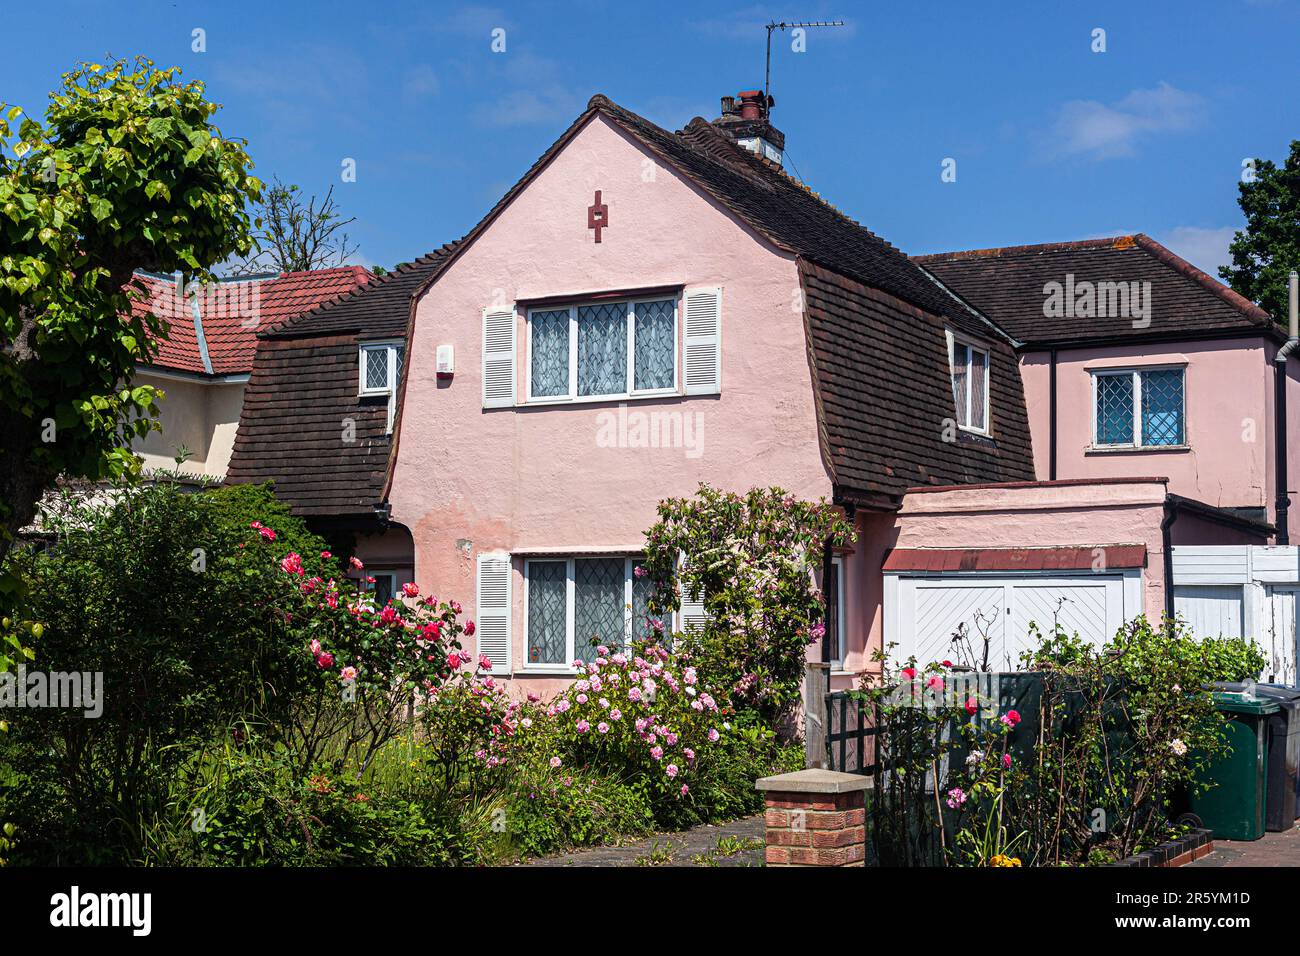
[(230, 313), (1111, 556), (1007, 284)]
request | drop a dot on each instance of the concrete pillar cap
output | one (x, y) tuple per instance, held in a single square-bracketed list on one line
[(815, 781)]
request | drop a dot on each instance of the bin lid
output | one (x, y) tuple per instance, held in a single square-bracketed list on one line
[(1266, 691), (1239, 704)]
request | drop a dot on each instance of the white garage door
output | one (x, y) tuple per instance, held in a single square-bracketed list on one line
[(930, 610)]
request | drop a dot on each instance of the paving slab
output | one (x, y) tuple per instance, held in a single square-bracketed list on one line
[(1273, 849)]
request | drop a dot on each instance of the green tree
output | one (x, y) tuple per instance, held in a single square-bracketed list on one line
[(752, 559), (127, 171), (1269, 248)]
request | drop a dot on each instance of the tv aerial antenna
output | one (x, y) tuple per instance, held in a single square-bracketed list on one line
[(783, 26)]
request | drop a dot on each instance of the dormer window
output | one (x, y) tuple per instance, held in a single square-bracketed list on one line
[(381, 364), (970, 386), (380, 371)]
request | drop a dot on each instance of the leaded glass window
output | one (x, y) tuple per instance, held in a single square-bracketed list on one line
[(578, 604), (1162, 407), (376, 369), (598, 604), (585, 351), (381, 367), (548, 612), (550, 361), (642, 589), (655, 344), (1115, 409), (602, 349), (1140, 408)]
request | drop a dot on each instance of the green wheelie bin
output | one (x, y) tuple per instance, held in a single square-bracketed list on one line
[(1234, 807)]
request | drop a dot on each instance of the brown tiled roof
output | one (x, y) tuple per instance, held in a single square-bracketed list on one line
[(885, 394), (231, 312), (1007, 285), (876, 320), (303, 393), (1115, 556)]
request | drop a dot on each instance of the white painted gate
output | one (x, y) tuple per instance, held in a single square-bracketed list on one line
[(927, 611)]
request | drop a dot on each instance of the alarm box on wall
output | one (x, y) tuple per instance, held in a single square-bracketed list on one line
[(446, 361)]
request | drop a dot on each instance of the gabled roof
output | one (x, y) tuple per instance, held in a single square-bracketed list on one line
[(213, 331), (1008, 285), (876, 343)]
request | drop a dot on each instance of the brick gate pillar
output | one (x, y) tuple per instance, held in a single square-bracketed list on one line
[(816, 818)]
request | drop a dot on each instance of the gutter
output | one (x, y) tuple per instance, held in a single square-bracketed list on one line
[(1282, 505)]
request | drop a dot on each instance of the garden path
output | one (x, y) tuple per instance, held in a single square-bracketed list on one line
[(738, 843)]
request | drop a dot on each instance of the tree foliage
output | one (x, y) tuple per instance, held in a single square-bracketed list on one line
[(1269, 247), (125, 171), (752, 557)]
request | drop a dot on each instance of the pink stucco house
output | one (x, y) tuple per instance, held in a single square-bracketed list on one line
[(645, 310)]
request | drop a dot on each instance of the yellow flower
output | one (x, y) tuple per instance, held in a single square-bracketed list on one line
[(1001, 860)]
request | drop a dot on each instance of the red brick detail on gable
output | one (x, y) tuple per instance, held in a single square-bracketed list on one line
[(1109, 557)]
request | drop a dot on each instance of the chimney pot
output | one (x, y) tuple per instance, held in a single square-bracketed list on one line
[(751, 104), (728, 105)]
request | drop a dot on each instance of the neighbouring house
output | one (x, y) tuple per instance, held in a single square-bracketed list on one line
[(645, 310), (204, 363)]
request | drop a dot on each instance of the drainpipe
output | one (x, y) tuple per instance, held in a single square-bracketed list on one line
[(1166, 523), (1283, 501), (1051, 441)]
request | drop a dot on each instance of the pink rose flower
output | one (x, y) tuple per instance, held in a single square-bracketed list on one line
[(325, 660), (556, 761), (602, 727), (671, 770)]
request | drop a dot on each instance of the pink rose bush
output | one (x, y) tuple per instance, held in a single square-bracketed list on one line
[(663, 729)]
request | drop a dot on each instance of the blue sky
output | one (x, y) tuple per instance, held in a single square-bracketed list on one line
[(1052, 141)]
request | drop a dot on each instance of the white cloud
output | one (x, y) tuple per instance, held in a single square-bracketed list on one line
[(1207, 249), (1100, 131), (420, 82)]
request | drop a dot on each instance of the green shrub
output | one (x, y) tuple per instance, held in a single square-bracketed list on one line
[(577, 809)]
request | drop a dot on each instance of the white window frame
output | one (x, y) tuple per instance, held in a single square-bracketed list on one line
[(392, 346), (837, 561), (570, 606), (1136, 419), (630, 393), (959, 342)]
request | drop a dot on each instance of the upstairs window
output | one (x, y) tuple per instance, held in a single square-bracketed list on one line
[(381, 364), (380, 371), (1138, 408), (970, 386), (602, 350)]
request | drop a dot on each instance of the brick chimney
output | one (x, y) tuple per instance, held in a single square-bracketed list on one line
[(745, 119)]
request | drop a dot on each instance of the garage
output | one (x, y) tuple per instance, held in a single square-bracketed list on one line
[(999, 594)]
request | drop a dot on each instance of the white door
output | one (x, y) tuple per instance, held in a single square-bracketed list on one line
[(1277, 636), (930, 610)]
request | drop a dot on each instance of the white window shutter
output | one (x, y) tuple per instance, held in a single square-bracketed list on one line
[(498, 357), (492, 627), (691, 615), (702, 341)]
